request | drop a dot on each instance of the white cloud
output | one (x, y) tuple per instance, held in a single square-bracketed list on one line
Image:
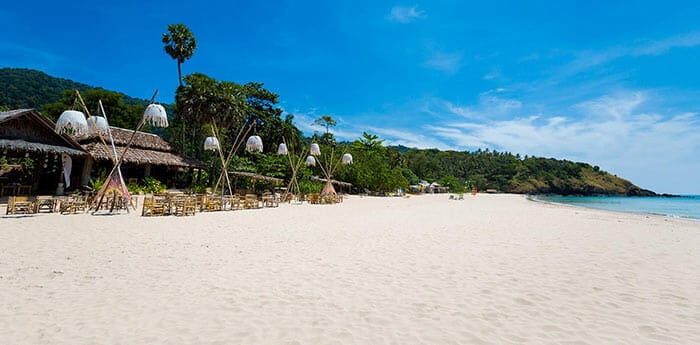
[(489, 106), (445, 62), (405, 14), (650, 149), (587, 59), (408, 138)]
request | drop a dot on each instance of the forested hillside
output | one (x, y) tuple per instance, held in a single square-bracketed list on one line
[(28, 88)]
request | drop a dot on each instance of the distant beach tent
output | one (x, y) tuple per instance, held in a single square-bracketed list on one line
[(282, 149), (315, 149), (310, 161), (72, 122), (155, 115), (97, 124), (254, 144), (211, 144)]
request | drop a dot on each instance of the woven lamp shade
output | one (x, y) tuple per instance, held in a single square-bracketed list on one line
[(72, 122), (155, 115), (254, 144), (97, 124), (282, 149), (211, 144), (310, 161), (315, 149)]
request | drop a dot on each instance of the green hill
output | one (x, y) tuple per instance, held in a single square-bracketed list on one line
[(28, 88)]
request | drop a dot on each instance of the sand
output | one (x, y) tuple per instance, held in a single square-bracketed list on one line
[(490, 269)]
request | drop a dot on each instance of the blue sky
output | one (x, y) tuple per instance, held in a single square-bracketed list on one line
[(614, 84)]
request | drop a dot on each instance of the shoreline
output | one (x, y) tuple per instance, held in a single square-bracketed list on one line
[(536, 198)]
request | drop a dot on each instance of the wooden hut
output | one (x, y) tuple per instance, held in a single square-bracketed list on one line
[(149, 155), (31, 153)]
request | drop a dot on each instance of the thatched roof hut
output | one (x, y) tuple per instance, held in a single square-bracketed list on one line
[(146, 148), (25, 130)]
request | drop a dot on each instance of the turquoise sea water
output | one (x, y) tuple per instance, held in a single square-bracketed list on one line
[(687, 206)]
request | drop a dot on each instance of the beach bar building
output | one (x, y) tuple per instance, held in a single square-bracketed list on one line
[(149, 156), (33, 157)]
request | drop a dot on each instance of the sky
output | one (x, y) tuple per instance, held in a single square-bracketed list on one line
[(610, 83)]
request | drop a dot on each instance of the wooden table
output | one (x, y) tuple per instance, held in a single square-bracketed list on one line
[(46, 203)]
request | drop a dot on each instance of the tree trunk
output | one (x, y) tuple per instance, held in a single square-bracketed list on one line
[(179, 73)]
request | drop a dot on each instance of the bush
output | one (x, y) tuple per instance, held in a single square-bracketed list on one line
[(151, 185), (134, 188)]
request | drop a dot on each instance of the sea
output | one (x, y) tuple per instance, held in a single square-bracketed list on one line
[(684, 206)]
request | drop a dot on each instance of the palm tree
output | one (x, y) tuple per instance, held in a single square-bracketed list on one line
[(179, 44)]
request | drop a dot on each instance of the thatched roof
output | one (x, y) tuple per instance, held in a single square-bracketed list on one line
[(256, 176), (146, 148), (27, 130), (21, 145), (142, 156), (142, 140)]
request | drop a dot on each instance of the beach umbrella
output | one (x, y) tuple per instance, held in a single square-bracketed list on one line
[(347, 159), (315, 149), (282, 149), (211, 144), (97, 124), (155, 115), (310, 161), (71, 122), (254, 144)]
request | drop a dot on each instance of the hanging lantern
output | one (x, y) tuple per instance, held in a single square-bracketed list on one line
[(71, 122), (97, 124), (310, 161), (282, 149), (347, 158), (254, 144), (315, 149), (211, 144), (155, 115)]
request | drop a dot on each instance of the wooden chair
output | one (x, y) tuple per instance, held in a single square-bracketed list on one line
[(19, 204), (24, 190), (189, 206), (147, 209), (182, 205), (213, 202), (8, 190), (154, 206), (73, 204), (251, 201)]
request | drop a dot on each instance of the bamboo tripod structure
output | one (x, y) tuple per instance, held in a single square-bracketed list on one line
[(111, 151), (223, 176), (293, 182), (117, 164)]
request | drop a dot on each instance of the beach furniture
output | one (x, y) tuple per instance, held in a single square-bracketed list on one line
[(19, 204), (251, 201), (45, 203), (155, 205), (73, 204), (183, 205)]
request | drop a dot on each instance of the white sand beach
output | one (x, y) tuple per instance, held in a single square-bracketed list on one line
[(490, 269)]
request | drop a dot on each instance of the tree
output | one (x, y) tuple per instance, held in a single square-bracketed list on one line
[(326, 121), (179, 44), (119, 114)]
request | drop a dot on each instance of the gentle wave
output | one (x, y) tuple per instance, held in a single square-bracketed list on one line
[(686, 206)]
